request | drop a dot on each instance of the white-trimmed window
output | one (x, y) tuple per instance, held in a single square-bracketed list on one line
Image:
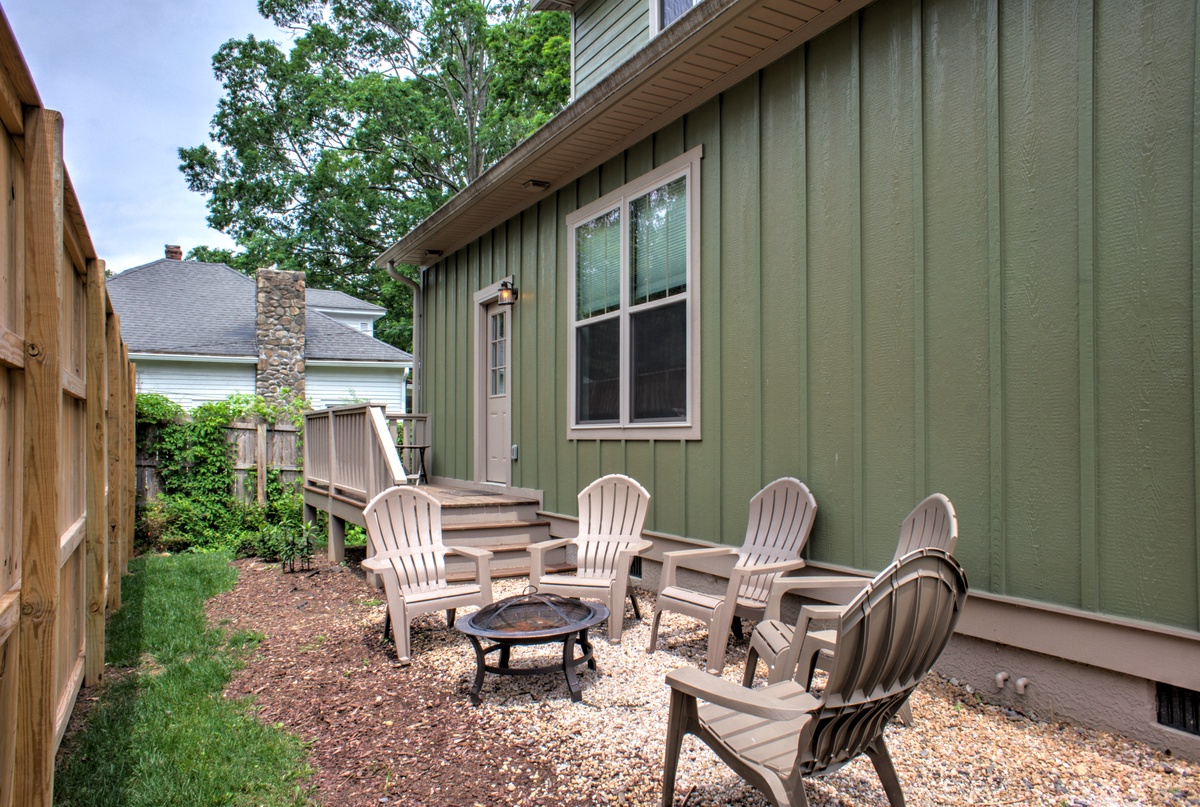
[(633, 356), (665, 12)]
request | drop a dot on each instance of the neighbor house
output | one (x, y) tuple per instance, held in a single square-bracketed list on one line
[(203, 331), (890, 248)]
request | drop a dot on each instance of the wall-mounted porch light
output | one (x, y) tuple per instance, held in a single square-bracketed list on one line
[(507, 294)]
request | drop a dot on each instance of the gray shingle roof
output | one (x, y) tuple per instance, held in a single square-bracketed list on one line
[(191, 307), (328, 298)]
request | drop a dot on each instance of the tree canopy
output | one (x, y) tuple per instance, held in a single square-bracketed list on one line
[(323, 155)]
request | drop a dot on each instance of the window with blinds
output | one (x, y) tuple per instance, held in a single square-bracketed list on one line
[(633, 357)]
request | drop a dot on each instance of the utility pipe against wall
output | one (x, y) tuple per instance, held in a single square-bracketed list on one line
[(418, 371)]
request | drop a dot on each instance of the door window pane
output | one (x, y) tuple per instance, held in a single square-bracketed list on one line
[(598, 355), (497, 358), (660, 363)]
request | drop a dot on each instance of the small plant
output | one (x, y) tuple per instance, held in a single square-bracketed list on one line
[(288, 545)]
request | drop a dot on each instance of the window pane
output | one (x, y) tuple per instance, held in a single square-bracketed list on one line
[(658, 242), (598, 265), (660, 363), (673, 10), (598, 356)]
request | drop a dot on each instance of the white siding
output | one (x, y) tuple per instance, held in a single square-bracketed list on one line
[(189, 383), (333, 386), (358, 321)]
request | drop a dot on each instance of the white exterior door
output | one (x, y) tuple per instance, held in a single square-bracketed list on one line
[(496, 384)]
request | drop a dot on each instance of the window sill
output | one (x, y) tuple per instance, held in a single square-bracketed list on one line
[(649, 431)]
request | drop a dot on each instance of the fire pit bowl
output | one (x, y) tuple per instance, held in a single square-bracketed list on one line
[(531, 619)]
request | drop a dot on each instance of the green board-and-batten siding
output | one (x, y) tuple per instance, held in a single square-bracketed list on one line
[(947, 246), (605, 34)]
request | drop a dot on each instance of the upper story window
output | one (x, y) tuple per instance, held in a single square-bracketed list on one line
[(634, 356), (665, 12)]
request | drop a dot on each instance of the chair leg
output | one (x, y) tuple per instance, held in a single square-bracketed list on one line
[(736, 625), (717, 640), (401, 632), (654, 629), (450, 617), (637, 614), (676, 728), (751, 667), (905, 714), (877, 751)]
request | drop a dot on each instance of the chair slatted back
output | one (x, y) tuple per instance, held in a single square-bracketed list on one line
[(932, 523), (612, 511), (888, 639), (407, 521), (781, 519)]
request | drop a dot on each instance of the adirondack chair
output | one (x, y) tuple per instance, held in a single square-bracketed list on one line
[(612, 511), (781, 517), (932, 523), (404, 526), (888, 637)]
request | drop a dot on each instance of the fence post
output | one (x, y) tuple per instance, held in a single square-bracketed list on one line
[(129, 466), (260, 461), (116, 376), (97, 476), (44, 259)]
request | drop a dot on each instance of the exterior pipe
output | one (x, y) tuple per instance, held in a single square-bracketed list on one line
[(1001, 679), (1022, 684), (418, 370)]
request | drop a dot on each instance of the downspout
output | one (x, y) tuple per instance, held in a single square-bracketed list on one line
[(418, 374)]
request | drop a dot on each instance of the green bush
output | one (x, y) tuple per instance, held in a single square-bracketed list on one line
[(197, 509)]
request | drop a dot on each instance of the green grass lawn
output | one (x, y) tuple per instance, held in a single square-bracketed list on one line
[(162, 734)]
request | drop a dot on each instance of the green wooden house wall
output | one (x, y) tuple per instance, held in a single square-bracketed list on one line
[(605, 34), (946, 246)]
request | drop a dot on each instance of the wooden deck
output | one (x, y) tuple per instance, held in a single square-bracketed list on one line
[(351, 456)]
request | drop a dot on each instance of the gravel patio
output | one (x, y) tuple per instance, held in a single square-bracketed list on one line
[(382, 734)]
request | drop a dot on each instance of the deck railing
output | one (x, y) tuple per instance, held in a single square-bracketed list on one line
[(350, 456)]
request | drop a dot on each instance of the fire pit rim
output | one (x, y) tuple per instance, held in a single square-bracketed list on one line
[(596, 613)]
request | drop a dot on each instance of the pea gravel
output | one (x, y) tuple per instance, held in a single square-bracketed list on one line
[(528, 744)]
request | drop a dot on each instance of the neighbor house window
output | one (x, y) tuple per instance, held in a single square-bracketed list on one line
[(633, 358)]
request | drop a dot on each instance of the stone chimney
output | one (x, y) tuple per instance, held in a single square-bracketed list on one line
[(279, 334), (174, 252)]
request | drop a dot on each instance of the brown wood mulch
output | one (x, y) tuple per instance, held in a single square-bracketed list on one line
[(379, 733)]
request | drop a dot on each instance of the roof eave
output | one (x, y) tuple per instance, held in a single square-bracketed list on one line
[(708, 21)]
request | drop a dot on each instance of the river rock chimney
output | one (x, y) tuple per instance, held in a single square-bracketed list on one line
[(279, 334)]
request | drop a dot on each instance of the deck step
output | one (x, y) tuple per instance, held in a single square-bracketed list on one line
[(487, 526), (466, 577)]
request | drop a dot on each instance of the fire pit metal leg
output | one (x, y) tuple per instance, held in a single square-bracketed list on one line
[(569, 663), (480, 669)]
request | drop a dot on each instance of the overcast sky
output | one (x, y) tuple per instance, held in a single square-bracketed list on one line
[(133, 80)]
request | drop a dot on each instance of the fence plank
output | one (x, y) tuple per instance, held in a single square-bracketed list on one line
[(129, 444), (116, 490), (97, 474), (38, 702)]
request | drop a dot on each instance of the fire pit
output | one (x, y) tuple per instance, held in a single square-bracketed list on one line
[(531, 619)]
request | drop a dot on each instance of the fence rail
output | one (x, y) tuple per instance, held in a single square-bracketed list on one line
[(66, 443)]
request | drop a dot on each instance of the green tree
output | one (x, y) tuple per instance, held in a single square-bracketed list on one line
[(323, 155)]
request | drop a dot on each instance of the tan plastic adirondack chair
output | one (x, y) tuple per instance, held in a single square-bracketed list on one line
[(932, 523), (404, 526), (781, 518), (612, 511), (888, 637)]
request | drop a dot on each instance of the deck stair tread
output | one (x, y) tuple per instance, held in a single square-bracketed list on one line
[(464, 526), (515, 571)]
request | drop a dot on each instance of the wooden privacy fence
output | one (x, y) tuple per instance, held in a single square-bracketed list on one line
[(256, 446), (66, 442)]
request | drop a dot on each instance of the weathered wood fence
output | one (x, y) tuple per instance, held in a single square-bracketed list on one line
[(257, 447), (66, 442)]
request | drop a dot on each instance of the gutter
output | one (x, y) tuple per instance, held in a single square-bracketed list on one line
[(417, 374)]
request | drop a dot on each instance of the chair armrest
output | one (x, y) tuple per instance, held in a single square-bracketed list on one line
[(757, 702), (811, 613), (681, 557), (376, 565), (786, 585), (740, 574), (537, 556)]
